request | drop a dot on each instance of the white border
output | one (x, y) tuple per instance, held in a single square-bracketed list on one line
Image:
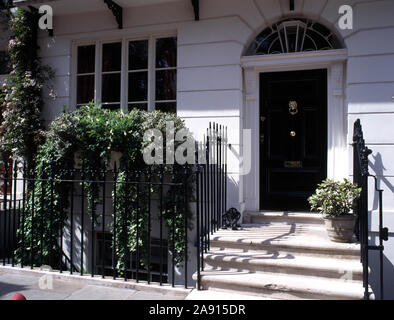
[(332, 60)]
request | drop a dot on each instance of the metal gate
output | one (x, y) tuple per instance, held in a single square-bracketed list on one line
[(360, 177)]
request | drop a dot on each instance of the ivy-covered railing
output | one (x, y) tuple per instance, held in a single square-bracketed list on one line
[(117, 222), (39, 218), (137, 230)]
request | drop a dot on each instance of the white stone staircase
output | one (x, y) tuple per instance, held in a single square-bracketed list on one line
[(282, 255)]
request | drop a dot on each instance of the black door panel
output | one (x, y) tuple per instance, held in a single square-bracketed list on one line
[(293, 137)]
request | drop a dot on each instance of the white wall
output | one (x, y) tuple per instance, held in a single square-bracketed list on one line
[(210, 78), (370, 91)]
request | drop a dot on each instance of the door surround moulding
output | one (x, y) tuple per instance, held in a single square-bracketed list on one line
[(337, 156)]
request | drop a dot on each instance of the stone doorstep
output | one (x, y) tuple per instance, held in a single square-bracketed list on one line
[(247, 261), (283, 216), (351, 251), (276, 250), (285, 264), (99, 281), (281, 286)]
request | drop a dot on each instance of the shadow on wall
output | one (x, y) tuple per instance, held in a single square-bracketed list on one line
[(232, 193), (378, 168), (388, 272)]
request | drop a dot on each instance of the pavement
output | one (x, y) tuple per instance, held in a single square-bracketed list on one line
[(41, 285), (37, 287)]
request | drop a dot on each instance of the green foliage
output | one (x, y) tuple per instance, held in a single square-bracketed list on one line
[(21, 128), (335, 198), (88, 136), (43, 217), (131, 213), (174, 213), (91, 133)]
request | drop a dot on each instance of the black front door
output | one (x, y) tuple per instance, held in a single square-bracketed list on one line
[(293, 137)]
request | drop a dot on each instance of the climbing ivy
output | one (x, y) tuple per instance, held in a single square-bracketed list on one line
[(93, 133), (132, 214), (21, 129)]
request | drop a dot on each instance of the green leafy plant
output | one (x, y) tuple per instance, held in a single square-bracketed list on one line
[(335, 198), (21, 129), (93, 133), (131, 214)]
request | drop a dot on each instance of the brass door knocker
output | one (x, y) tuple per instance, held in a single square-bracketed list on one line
[(293, 107)]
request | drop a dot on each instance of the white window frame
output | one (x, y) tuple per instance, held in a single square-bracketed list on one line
[(124, 68), (75, 73)]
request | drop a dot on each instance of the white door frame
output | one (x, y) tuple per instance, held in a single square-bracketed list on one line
[(337, 156)]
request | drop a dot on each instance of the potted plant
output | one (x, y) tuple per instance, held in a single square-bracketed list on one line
[(335, 200)]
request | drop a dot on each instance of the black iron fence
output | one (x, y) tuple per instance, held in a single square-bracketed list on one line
[(117, 222), (211, 186), (360, 177)]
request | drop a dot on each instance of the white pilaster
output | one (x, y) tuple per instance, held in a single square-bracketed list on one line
[(337, 161)]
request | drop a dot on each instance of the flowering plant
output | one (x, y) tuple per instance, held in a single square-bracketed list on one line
[(21, 94)]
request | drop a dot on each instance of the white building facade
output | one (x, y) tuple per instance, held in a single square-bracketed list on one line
[(213, 72)]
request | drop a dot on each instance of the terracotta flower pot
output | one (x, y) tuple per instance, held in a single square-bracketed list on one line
[(340, 228)]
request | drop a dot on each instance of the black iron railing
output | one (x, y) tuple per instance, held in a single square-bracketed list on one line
[(360, 177), (94, 231), (211, 186), (84, 240)]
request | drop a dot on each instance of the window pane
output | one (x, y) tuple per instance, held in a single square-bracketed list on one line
[(138, 86), (112, 56), (139, 106), (85, 89), (138, 55), (111, 88), (166, 107), (166, 54), (86, 59), (111, 106), (166, 85)]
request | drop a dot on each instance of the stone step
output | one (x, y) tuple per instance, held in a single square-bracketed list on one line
[(279, 286), (283, 255), (282, 216), (282, 239), (258, 262)]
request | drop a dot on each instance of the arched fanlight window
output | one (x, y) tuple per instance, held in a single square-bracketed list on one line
[(294, 35)]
